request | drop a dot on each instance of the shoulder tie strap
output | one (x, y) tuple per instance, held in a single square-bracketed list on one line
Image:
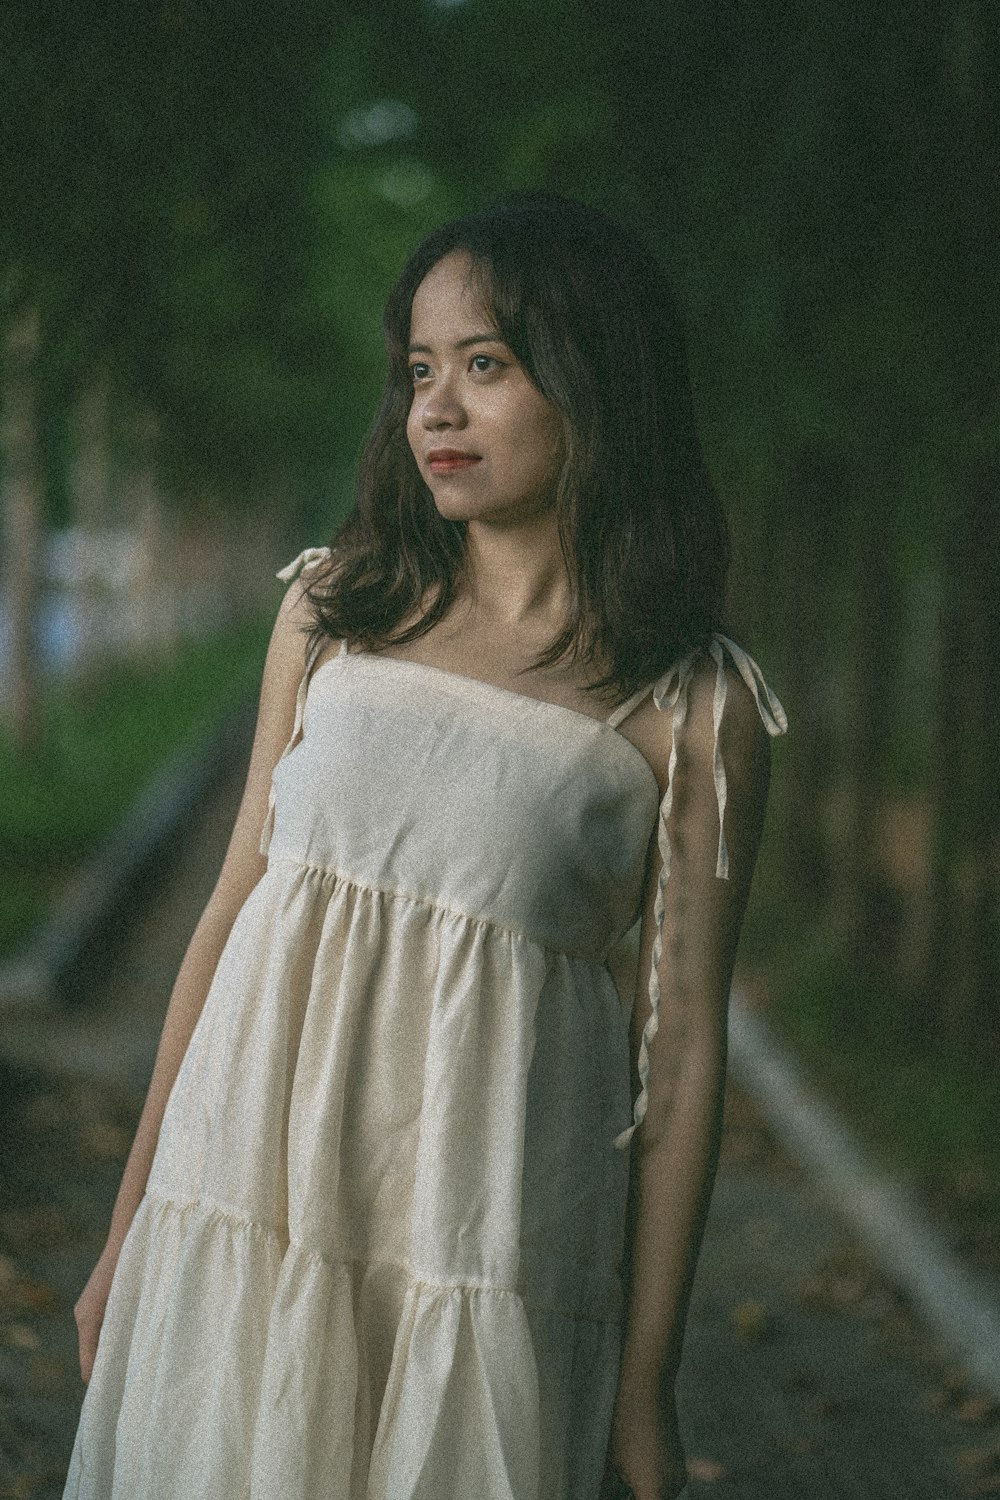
[(309, 557), (624, 709), (300, 705), (771, 712), (670, 694), (306, 558)]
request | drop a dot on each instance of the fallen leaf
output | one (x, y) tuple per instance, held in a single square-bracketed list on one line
[(989, 1484), (20, 1336), (978, 1461), (847, 1289), (751, 1320), (706, 1470), (981, 1409), (801, 1445), (811, 1290), (19, 1487), (36, 1296), (103, 1139)]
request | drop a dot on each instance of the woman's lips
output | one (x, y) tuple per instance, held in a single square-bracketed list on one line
[(448, 461)]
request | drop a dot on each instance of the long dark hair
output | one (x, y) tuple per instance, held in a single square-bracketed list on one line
[(589, 313)]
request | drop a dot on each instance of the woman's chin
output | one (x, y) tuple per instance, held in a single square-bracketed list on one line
[(453, 507), (456, 507)]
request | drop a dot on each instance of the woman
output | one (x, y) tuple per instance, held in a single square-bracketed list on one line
[(393, 1224)]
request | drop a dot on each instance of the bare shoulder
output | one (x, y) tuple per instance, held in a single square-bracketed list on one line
[(276, 718), (743, 741), (293, 626), (722, 771), (295, 614)]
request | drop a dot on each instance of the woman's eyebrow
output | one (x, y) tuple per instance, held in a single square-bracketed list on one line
[(474, 338)]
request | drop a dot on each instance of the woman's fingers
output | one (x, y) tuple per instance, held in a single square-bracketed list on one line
[(88, 1329), (88, 1311)]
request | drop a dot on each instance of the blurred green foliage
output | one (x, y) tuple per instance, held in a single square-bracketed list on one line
[(928, 1107), (97, 752)]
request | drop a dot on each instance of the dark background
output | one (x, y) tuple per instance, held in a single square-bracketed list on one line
[(203, 207)]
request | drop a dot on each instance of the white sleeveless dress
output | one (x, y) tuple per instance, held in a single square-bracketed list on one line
[(379, 1252)]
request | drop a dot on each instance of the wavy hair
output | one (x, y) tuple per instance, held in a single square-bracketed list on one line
[(590, 315)]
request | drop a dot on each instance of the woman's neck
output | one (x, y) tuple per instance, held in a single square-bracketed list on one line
[(517, 575)]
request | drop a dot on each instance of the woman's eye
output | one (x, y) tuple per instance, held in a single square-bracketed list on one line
[(483, 362), (418, 372)]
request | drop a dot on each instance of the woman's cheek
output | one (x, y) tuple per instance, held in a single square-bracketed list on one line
[(413, 428)]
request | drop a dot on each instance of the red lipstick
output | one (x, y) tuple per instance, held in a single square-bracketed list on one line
[(450, 460)]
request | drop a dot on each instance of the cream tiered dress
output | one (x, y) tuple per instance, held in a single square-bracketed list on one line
[(379, 1252)]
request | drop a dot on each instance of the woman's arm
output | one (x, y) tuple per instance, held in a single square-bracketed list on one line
[(241, 870), (675, 1148)]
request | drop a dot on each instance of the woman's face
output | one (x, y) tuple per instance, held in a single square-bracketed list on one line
[(486, 441)]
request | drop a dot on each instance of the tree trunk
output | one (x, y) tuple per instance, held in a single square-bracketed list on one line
[(963, 975), (155, 585), (809, 585), (23, 510), (89, 490), (864, 911)]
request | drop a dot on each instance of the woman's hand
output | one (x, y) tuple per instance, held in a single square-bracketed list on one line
[(88, 1310), (645, 1450)]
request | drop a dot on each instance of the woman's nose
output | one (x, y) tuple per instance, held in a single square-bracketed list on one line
[(442, 407)]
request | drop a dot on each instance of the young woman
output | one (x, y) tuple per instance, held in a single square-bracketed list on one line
[(416, 1198)]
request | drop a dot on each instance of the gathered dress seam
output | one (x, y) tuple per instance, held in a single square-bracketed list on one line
[(340, 878), (223, 1211)]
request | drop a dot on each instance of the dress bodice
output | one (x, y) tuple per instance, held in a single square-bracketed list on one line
[(508, 809), (539, 812)]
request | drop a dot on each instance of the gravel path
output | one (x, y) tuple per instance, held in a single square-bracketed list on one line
[(805, 1375)]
